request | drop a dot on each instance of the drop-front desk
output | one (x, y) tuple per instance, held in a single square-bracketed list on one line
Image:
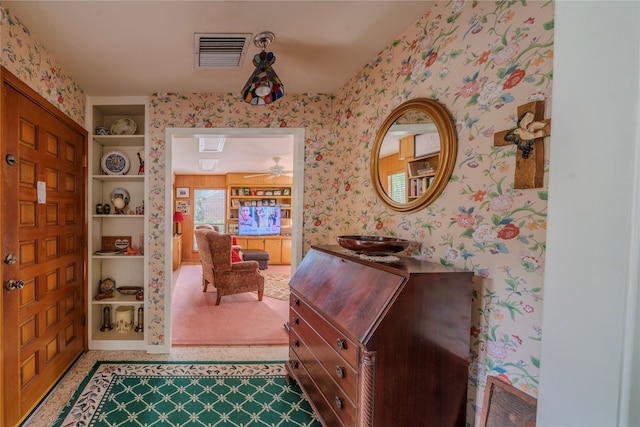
[(380, 344)]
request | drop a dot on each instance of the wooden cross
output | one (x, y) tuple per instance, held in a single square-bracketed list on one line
[(529, 136)]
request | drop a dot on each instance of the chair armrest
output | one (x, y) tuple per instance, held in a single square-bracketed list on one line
[(244, 266)]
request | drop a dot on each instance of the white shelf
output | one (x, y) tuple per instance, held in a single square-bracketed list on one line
[(118, 299), (123, 216), (114, 335), (104, 111), (115, 178), (120, 140), (119, 257)]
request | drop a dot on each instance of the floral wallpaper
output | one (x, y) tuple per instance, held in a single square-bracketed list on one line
[(173, 110), (479, 59), (30, 61)]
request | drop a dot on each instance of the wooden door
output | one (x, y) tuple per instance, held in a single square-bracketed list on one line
[(43, 229)]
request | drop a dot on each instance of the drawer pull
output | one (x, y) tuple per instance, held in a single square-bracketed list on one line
[(293, 364), (296, 321), (342, 345), (339, 372), (296, 301), (339, 403), (296, 343)]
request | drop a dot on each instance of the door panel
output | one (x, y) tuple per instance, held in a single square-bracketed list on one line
[(43, 211)]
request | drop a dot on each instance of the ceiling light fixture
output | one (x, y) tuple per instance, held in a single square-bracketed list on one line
[(208, 165), (264, 85), (211, 144)]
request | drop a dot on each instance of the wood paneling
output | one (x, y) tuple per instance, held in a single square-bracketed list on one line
[(194, 182), (390, 165)]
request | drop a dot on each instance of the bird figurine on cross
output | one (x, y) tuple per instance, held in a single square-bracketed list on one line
[(528, 137)]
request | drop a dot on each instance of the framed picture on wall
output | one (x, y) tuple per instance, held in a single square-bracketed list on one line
[(504, 402), (182, 192), (425, 144), (183, 206)]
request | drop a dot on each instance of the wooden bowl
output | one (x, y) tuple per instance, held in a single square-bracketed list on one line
[(129, 290), (373, 245)]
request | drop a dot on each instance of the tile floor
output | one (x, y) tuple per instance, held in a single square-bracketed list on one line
[(53, 404)]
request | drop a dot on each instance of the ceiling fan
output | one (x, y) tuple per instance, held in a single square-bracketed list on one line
[(274, 171)]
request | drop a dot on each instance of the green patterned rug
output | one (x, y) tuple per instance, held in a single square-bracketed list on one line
[(181, 394)]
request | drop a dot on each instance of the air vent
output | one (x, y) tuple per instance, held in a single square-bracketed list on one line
[(220, 50)]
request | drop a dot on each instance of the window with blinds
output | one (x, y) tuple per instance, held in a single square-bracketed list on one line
[(398, 187), (209, 208)]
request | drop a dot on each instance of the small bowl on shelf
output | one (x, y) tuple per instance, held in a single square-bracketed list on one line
[(129, 290), (373, 245), (103, 130)]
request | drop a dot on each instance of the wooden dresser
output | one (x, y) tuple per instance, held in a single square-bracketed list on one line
[(375, 344)]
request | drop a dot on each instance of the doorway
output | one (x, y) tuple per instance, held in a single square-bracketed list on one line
[(295, 138)]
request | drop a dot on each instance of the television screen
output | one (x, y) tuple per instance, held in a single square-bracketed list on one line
[(259, 220)]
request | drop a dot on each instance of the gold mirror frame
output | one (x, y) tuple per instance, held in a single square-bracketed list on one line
[(448, 151)]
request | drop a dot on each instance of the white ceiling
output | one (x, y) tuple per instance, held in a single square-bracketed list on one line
[(142, 47), (240, 153)]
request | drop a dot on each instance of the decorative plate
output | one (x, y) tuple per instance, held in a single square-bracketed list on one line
[(123, 127), (121, 193), (107, 284), (129, 290), (115, 163)]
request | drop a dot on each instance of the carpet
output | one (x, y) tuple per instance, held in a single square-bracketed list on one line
[(239, 319), (187, 394), (276, 285)]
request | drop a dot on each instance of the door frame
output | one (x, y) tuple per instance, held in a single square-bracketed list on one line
[(297, 194)]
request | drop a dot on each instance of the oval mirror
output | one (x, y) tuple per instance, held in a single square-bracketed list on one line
[(413, 155)]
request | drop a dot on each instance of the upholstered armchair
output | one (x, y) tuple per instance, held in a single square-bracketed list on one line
[(218, 270), (236, 248), (207, 227)]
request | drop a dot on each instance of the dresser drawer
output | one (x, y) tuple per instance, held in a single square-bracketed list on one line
[(312, 392), (340, 403), (343, 345), (342, 373)]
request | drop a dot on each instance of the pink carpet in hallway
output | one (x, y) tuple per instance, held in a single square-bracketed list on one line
[(239, 319)]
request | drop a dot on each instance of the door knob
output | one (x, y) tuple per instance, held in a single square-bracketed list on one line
[(11, 159), (12, 285)]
